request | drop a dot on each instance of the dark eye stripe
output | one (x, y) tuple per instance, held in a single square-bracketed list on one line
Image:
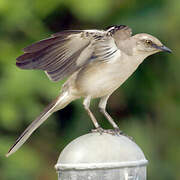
[(155, 46)]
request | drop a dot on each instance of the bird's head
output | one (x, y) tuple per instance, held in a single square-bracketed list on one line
[(146, 44)]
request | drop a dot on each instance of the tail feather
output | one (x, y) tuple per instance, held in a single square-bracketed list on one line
[(59, 103)]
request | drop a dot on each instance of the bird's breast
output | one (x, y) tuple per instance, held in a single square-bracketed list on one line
[(98, 79)]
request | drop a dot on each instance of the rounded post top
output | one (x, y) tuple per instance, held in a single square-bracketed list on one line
[(95, 150)]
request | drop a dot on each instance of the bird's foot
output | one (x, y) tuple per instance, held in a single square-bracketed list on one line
[(119, 132), (114, 132), (99, 130)]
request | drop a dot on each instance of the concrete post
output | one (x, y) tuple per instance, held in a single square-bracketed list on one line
[(104, 156)]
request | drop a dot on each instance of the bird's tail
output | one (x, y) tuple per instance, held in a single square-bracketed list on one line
[(59, 103)]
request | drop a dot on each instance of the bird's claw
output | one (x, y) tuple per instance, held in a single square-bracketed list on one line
[(119, 132), (99, 130), (108, 131), (115, 132)]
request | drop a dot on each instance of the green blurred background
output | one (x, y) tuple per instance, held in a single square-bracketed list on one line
[(146, 107)]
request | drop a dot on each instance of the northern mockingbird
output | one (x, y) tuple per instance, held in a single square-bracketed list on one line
[(97, 62)]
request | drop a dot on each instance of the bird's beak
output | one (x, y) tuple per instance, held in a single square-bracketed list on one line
[(163, 48)]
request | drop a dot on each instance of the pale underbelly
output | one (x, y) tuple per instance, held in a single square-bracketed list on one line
[(102, 80)]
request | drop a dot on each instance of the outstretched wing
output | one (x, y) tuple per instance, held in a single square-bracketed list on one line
[(56, 55), (65, 52)]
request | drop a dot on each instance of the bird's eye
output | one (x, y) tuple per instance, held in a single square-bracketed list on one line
[(149, 42)]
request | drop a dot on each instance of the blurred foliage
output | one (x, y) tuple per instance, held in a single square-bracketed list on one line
[(146, 107)]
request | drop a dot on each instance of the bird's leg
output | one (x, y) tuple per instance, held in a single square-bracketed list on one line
[(102, 108), (86, 104)]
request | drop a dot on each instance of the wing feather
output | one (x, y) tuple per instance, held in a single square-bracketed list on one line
[(65, 52), (58, 53)]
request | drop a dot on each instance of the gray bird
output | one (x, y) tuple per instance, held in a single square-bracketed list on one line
[(97, 62)]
